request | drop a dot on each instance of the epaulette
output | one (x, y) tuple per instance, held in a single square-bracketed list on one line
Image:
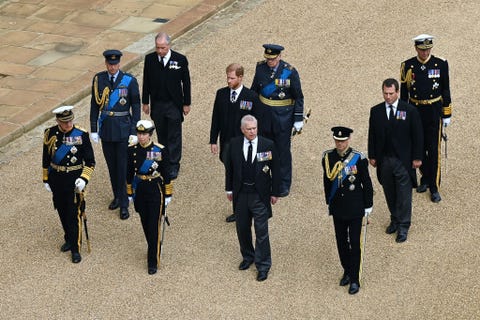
[(326, 152), (261, 62), (362, 156), (441, 58), (288, 66), (159, 145), (80, 128)]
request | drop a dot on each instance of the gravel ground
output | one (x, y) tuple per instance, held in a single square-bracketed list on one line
[(343, 50)]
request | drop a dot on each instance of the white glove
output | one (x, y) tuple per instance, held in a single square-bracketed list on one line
[(167, 200), (298, 125), (79, 185), (130, 199), (132, 139), (47, 186), (446, 122), (368, 211), (94, 137)]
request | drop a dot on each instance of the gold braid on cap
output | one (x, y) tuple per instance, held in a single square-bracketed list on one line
[(331, 174), (105, 94)]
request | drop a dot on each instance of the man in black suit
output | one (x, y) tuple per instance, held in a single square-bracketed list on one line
[(166, 96), (349, 195), (231, 103), (252, 183), (395, 148), (114, 111)]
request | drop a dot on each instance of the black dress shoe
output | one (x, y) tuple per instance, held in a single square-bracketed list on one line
[(244, 265), (401, 237), (345, 280), (76, 257), (354, 288), (114, 204), (262, 275), (124, 213), (152, 270), (391, 229), (66, 247), (422, 188), (435, 197), (231, 218)]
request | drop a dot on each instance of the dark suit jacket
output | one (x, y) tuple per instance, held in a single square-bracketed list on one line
[(226, 116), (115, 128), (407, 136), (267, 179), (178, 82)]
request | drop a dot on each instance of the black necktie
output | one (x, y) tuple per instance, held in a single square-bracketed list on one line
[(161, 62), (249, 155), (391, 116), (111, 80), (233, 97)]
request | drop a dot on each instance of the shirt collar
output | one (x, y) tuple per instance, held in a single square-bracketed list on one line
[(238, 90)]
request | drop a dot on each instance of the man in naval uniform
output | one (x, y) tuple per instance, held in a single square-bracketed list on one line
[(68, 163), (425, 84)]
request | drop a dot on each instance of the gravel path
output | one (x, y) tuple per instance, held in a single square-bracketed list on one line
[(343, 50)]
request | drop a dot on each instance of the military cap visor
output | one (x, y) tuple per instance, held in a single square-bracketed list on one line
[(64, 113), (145, 126), (423, 41), (341, 133), (112, 56), (272, 50)]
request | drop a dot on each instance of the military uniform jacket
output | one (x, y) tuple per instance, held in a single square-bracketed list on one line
[(117, 122), (147, 164), (69, 152), (429, 81), (406, 136), (178, 81), (355, 191), (266, 169), (285, 87), (226, 115)]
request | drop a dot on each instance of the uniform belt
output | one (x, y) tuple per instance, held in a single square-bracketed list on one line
[(116, 113), (147, 176), (276, 103), (248, 183), (65, 168), (428, 101)]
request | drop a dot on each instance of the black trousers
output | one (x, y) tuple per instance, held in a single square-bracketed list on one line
[(282, 122), (431, 164), (116, 157), (397, 186), (149, 203), (347, 234), (249, 206), (67, 203), (168, 124)]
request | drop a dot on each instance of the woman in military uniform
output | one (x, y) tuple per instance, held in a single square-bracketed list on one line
[(349, 195), (148, 183)]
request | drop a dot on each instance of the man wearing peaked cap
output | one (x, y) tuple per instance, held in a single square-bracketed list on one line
[(280, 92), (341, 133), (114, 111), (149, 184), (425, 83), (112, 56), (68, 163), (349, 196)]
